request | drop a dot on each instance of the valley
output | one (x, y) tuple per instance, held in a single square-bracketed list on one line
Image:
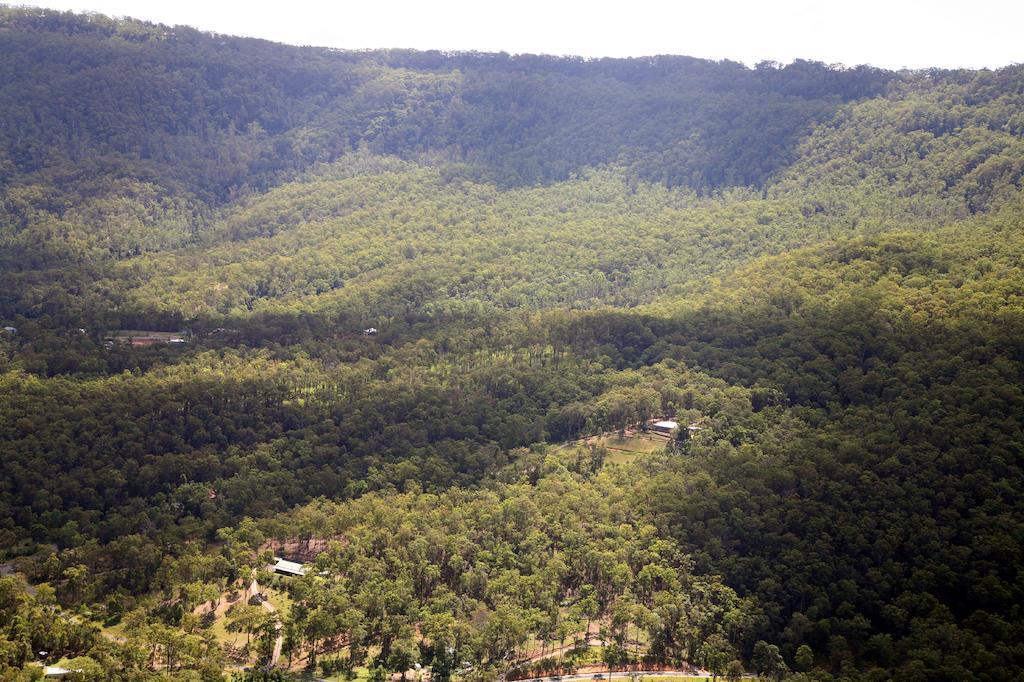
[(409, 319)]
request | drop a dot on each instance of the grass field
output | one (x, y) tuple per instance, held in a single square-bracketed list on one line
[(280, 599), (225, 638), (625, 449), (620, 449), (362, 673)]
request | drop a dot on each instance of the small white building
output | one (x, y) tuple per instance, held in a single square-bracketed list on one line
[(54, 671), (665, 426), (285, 567)]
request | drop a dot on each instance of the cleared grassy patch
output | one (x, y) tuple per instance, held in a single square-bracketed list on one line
[(279, 598), (639, 444), (225, 638), (115, 632), (362, 673), (625, 449), (621, 457)]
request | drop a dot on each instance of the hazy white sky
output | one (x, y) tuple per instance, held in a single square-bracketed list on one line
[(887, 33)]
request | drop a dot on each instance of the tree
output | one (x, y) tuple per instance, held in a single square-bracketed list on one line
[(715, 653), (318, 624), (246, 618), (768, 660), (804, 658), (402, 656)]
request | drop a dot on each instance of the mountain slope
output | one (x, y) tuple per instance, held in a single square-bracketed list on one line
[(818, 268)]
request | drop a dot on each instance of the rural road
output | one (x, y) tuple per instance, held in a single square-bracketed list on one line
[(594, 677), (7, 570), (254, 588)]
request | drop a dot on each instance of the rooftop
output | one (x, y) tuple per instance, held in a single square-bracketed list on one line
[(56, 671), (290, 567)]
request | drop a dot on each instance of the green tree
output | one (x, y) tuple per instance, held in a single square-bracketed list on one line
[(768, 660), (715, 654), (804, 658)]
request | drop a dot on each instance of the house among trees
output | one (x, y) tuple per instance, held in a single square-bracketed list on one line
[(289, 568), (664, 426), (139, 337), (372, 331)]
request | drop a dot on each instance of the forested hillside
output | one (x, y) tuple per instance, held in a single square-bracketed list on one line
[(382, 312)]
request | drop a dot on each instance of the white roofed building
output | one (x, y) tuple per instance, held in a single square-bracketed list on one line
[(56, 671), (285, 567), (665, 426)]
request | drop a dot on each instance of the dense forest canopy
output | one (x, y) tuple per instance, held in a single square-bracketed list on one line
[(400, 315)]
